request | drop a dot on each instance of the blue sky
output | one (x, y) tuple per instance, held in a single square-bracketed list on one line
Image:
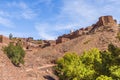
[(47, 19)]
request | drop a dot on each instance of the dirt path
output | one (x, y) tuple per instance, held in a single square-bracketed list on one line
[(42, 67)]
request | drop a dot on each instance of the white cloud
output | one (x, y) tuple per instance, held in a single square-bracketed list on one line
[(44, 31), (6, 22)]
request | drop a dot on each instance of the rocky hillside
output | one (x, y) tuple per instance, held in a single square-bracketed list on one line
[(38, 62), (98, 35)]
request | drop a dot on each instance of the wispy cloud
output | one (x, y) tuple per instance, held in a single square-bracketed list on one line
[(6, 22), (4, 14), (47, 2), (69, 18), (44, 31), (79, 11), (27, 12), (24, 12), (86, 12)]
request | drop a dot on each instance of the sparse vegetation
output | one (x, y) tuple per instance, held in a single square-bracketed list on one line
[(92, 65), (15, 53), (39, 41), (86, 42)]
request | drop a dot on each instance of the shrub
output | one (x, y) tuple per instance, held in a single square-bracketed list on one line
[(15, 53)]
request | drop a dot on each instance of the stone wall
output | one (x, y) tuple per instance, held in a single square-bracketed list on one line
[(72, 35), (62, 39)]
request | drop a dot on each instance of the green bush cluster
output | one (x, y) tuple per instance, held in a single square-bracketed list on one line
[(91, 65), (15, 53)]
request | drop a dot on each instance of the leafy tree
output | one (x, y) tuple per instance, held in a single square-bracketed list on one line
[(92, 59), (91, 65), (15, 53), (70, 67)]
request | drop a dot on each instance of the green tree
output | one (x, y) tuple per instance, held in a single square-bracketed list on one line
[(10, 36), (70, 67), (15, 53), (91, 65)]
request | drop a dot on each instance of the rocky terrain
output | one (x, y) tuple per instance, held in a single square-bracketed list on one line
[(40, 60)]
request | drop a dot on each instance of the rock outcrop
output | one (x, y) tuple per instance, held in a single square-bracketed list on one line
[(106, 21)]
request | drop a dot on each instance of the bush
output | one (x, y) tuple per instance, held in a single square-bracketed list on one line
[(15, 53), (91, 65)]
